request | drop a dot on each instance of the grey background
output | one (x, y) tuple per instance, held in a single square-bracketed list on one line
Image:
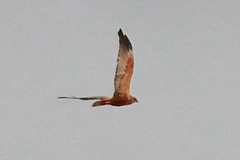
[(186, 78)]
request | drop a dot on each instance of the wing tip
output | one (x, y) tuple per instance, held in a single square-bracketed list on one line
[(124, 41), (120, 33)]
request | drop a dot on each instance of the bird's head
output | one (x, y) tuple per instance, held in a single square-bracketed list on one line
[(134, 99)]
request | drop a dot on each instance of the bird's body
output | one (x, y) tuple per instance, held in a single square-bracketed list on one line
[(122, 78)]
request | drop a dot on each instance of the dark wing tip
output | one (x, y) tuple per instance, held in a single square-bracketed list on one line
[(62, 97), (123, 40), (120, 33)]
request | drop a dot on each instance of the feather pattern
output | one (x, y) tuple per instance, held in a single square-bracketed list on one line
[(124, 69)]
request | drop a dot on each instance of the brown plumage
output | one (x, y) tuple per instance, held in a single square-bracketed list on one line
[(123, 75)]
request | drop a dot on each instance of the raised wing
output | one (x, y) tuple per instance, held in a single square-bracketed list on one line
[(124, 68)]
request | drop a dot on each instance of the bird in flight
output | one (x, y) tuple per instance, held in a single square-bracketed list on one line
[(123, 75)]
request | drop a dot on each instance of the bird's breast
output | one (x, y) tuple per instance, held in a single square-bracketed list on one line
[(120, 100)]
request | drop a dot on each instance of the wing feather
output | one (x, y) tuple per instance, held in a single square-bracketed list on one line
[(87, 98), (125, 64)]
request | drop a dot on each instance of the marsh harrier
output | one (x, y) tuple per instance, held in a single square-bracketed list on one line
[(122, 80)]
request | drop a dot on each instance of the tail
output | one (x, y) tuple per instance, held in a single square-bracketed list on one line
[(103, 100), (101, 103)]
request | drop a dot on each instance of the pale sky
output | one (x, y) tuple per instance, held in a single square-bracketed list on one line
[(186, 78)]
